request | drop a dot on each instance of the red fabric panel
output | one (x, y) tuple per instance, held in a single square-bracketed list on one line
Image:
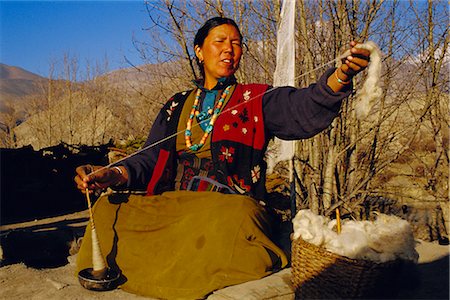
[(158, 171), (241, 119)]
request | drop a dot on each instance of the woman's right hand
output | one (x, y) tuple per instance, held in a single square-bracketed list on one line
[(97, 177)]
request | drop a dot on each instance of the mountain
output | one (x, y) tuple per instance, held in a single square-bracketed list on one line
[(15, 84), (117, 105), (11, 72)]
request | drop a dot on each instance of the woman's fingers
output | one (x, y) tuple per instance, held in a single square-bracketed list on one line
[(83, 180), (357, 61), (360, 62), (353, 67), (80, 183)]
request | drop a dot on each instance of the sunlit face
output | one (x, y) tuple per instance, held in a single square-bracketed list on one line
[(221, 52)]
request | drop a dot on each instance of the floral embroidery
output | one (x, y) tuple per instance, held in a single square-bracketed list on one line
[(244, 115), (256, 173), (247, 95), (208, 166), (187, 163), (244, 130), (227, 154), (188, 174), (238, 184), (235, 124), (256, 119), (193, 166), (226, 127), (171, 109), (234, 111)]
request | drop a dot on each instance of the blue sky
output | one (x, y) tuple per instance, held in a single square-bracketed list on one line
[(36, 33)]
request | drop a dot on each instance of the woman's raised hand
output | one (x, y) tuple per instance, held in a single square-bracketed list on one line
[(354, 61), (357, 61)]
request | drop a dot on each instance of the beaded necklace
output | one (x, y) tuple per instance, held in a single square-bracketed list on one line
[(196, 112)]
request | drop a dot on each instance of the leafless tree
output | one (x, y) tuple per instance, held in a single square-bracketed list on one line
[(354, 158), (402, 144)]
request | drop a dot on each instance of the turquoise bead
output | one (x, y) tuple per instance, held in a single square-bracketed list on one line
[(194, 147), (201, 116)]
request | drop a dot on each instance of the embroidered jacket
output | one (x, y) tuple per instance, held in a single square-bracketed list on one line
[(252, 116)]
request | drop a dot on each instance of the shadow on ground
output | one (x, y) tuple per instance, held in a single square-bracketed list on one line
[(425, 281), (42, 246)]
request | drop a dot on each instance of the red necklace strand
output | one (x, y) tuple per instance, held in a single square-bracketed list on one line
[(212, 119)]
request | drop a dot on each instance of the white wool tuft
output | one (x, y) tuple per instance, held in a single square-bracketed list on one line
[(386, 239), (371, 90)]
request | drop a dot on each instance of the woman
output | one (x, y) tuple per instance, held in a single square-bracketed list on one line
[(201, 226)]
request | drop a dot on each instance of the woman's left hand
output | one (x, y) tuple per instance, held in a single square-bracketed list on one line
[(352, 64), (357, 61)]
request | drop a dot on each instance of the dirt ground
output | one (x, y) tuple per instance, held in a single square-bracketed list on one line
[(30, 271)]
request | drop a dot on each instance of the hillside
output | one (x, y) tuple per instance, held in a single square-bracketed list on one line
[(16, 84), (121, 106), (11, 73), (117, 105)]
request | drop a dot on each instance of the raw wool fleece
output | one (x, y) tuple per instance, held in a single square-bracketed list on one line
[(371, 91), (386, 239)]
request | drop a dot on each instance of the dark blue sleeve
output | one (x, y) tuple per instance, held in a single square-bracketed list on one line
[(291, 113)]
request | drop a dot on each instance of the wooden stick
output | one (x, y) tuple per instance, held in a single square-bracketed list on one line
[(338, 220), (98, 262)]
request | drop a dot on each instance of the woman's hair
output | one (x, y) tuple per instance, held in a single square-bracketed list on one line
[(203, 32)]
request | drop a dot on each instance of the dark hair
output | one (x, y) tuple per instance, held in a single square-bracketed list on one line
[(203, 32)]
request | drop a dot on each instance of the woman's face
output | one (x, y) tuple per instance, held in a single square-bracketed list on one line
[(221, 52)]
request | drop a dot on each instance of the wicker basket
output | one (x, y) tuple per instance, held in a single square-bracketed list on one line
[(320, 274)]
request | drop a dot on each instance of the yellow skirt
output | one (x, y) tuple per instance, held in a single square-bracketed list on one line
[(182, 245)]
